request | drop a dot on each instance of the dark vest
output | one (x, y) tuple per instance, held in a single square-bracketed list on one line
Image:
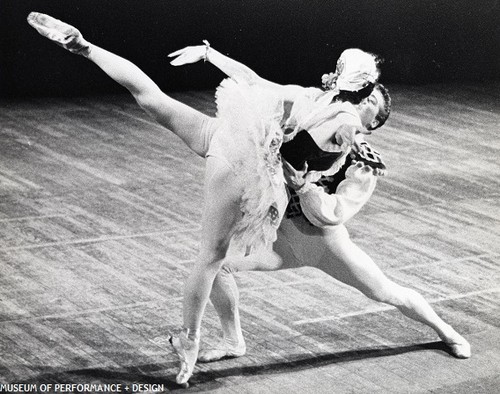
[(329, 183), (303, 148)]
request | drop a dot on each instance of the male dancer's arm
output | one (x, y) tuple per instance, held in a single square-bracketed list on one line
[(337, 198), (325, 209)]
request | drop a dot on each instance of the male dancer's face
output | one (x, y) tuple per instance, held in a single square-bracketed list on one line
[(369, 108)]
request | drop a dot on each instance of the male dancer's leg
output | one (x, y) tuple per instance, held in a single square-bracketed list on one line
[(346, 262), (225, 294), (340, 258), (225, 299)]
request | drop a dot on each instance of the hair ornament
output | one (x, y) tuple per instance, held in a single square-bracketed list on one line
[(328, 81)]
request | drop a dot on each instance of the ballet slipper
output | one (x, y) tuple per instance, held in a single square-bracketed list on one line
[(187, 350), (223, 350), (59, 32), (459, 347)]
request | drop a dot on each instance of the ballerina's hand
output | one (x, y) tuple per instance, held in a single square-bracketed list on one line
[(345, 135), (188, 55), (296, 179)]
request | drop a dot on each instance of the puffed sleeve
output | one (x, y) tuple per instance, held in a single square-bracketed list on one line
[(323, 209)]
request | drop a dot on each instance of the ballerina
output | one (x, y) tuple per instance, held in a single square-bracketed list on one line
[(244, 191)]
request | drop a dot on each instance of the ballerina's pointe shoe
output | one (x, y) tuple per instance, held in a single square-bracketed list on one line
[(222, 351), (187, 350), (61, 33)]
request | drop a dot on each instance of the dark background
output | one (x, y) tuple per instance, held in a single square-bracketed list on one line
[(293, 41)]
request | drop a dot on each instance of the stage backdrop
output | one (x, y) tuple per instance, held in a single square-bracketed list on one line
[(293, 41)]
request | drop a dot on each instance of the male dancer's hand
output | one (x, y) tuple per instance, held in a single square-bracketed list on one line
[(366, 168), (363, 153)]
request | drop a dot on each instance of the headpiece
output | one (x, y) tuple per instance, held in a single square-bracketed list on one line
[(355, 70)]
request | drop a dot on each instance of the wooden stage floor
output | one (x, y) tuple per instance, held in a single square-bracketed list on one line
[(99, 224)]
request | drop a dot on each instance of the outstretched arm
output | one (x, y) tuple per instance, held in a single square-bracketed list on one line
[(231, 68)]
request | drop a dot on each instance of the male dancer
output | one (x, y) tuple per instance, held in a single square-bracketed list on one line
[(313, 234), (325, 244)]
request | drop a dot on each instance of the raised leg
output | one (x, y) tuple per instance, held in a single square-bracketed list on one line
[(61, 33), (192, 126)]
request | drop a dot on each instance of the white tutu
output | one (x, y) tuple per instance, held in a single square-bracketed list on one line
[(252, 117)]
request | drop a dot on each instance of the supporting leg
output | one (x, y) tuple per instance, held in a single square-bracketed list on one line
[(222, 210)]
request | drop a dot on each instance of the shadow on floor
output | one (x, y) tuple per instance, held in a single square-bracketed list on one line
[(210, 380)]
